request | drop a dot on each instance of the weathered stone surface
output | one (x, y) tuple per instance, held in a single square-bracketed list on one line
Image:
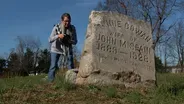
[(71, 75), (117, 50)]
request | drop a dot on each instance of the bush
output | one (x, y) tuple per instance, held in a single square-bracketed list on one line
[(158, 65)]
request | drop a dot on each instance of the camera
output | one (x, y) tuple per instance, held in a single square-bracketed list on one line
[(67, 40)]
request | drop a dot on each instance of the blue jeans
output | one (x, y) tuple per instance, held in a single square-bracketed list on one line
[(71, 62), (54, 66), (71, 57)]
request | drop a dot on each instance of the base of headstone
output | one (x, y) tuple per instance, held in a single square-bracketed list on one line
[(71, 75), (127, 79)]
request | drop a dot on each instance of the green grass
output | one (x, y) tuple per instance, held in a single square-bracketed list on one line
[(111, 92), (63, 84), (20, 82), (32, 90)]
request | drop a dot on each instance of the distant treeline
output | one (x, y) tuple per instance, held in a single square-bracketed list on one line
[(28, 58)]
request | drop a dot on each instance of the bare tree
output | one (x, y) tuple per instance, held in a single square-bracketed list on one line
[(166, 51), (171, 52), (20, 52), (176, 46), (163, 9), (179, 42), (153, 11), (120, 6), (31, 43)]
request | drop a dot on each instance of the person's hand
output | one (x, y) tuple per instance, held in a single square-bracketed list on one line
[(61, 36)]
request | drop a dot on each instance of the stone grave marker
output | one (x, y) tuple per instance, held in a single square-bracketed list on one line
[(117, 50)]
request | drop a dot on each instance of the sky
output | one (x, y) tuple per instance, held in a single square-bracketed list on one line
[(36, 18)]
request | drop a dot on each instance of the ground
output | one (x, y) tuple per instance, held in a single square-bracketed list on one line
[(34, 90)]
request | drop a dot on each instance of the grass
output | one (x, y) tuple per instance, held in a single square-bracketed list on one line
[(32, 90), (111, 92), (63, 84)]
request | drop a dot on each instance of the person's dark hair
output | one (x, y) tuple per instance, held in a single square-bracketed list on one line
[(66, 15)]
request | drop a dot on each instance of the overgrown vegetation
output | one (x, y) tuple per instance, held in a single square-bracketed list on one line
[(33, 89)]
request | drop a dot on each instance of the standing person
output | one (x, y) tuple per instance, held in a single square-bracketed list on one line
[(62, 37)]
